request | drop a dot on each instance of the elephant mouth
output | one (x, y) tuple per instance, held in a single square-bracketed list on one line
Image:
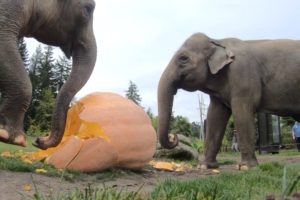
[(188, 87), (67, 49)]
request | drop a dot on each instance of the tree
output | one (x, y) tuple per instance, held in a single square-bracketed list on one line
[(133, 93), (196, 126), (149, 113), (46, 72), (41, 123), (34, 66), (34, 72), (24, 53), (44, 109), (287, 121), (229, 129), (286, 130), (47, 76), (62, 70), (182, 125)]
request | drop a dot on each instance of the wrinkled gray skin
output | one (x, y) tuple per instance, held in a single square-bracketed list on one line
[(241, 78), (67, 24)]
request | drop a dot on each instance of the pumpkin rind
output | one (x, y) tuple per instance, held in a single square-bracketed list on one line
[(111, 130)]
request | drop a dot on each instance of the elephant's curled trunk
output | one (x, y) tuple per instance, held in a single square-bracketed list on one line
[(84, 58), (166, 91)]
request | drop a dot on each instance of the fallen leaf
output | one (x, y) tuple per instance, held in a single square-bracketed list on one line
[(244, 168), (216, 171), (164, 166), (6, 154), (26, 160), (27, 188), (41, 171)]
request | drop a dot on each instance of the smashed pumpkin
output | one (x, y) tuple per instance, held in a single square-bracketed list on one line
[(103, 130)]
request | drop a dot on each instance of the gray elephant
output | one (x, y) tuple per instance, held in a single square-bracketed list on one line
[(67, 24), (241, 78)]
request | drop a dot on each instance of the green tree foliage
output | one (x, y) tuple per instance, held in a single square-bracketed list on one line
[(287, 121), (133, 93), (47, 76), (24, 53), (34, 72), (62, 70), (25, 58), (46, 70), (41, 122), (154, 119), (44, 109), (229, 130), (181, 125), (149, 113), (286, 131), (196, 129)]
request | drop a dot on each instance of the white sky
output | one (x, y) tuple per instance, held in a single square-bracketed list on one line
[(137, 38)]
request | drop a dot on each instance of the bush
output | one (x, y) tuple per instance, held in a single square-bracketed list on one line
[(198, 145), (286, 137), (35, 130)]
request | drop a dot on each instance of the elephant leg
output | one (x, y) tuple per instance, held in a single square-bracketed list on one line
[(243, 114), (16, 93), (217, 117)]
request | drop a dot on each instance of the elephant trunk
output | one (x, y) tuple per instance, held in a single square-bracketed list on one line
[(166, 92), (84, 58)]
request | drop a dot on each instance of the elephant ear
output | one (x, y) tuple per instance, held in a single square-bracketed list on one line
[(219, 58)]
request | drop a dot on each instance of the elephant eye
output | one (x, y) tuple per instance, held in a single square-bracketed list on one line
[(88, 10), (183, 59)]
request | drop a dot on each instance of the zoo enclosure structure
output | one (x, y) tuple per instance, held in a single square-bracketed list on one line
[(268, 133)]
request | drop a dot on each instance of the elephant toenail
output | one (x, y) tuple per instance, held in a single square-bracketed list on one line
[(20, 140), (4, 134)]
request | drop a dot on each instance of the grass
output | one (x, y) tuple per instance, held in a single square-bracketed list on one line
[(253, 184), (14, 148), (17, 165), (91, 193), (268, 178)]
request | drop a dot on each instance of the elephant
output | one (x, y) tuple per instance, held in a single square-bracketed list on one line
[(242, 78), (67, 24)]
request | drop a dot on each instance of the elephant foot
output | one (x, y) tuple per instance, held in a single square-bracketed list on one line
[(211, 165), (17, 138), (246, 165), (242, 167)]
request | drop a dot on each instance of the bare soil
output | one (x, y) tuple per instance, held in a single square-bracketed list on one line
[(13, 184)]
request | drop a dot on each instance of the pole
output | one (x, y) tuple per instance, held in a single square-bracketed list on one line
[(201, 136)]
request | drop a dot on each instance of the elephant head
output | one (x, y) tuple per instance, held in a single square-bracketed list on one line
[(67, 24), (192, 68)]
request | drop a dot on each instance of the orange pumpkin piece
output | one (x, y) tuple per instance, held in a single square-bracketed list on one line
[(104, 130)]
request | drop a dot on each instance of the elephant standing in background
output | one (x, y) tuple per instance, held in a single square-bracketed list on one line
[(67, 24), (241, 78)]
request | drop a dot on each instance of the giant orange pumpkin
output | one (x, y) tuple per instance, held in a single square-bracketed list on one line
[(104, 130)]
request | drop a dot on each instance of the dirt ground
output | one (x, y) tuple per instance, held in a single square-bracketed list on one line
[(13, 185)]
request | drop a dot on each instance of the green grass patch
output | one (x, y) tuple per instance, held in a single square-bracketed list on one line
[(91, 193), (270, 178), (14, 148), (253, 184), (17, 165), (291, 152)]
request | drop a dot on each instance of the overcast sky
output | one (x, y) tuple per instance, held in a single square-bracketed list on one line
[(137, 38)]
